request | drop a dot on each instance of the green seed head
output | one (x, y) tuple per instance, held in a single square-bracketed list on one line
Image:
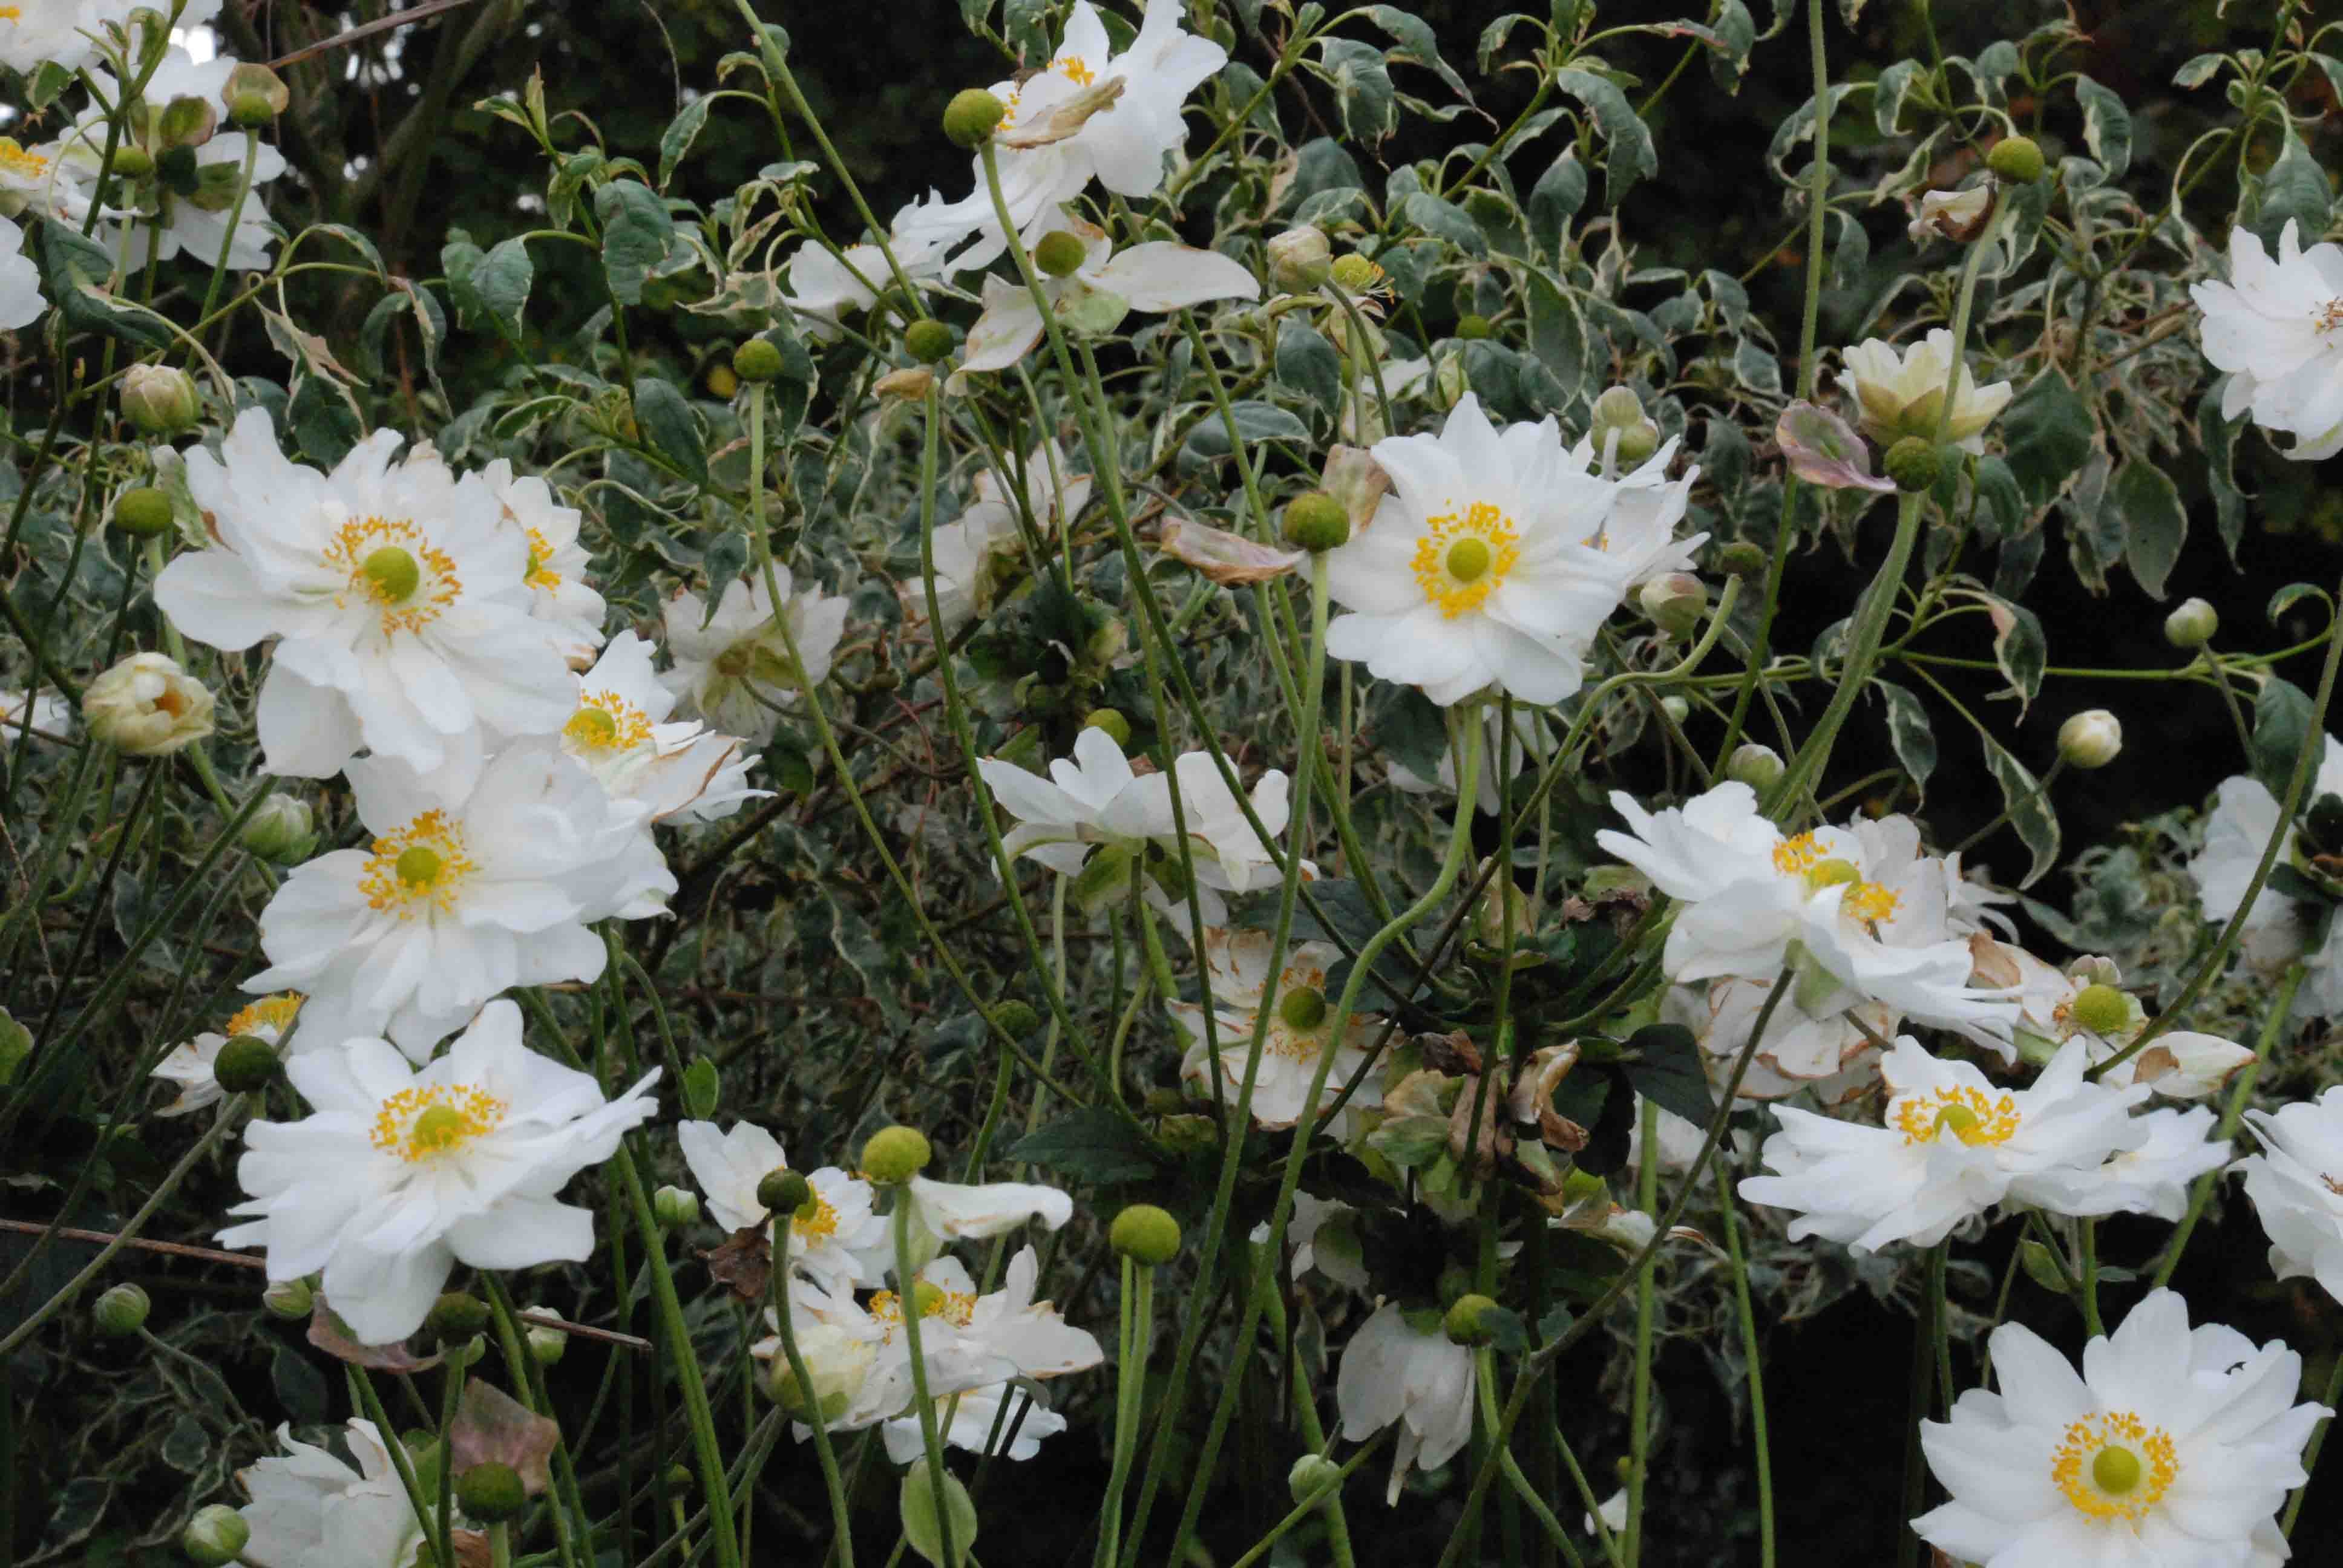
[(1467, 1321), (2115, 1470), (1473, 328), (1355, 272), (928, 341), (491, 1493), (457, 1315), (2101, 1009), (245, 1064), (1913, 464), (972, 116), (1302, 1009), (121, 1311), (143, 513), (1145, 1234), (759, 359), (2018, 159), (1110, 719), (1059, 253), (418, 865), (393, 574), (784, 1191), (1019, 1019), (1468, 560), (1315, 521), (895, 1154)]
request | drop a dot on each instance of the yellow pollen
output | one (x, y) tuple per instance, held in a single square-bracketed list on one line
[(1968, 1114), (539, 575), (169, 701), (605, 722), (814, 1221), (1075, 69), (1795, 856), (955, 1307), (423, 862), (14, 158), (434, 1119), (410, 592), (269, 1013), (1461, 559), (2114, 1465), (2330, 315), (1869, 902)]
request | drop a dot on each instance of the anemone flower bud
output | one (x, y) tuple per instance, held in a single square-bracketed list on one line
[(147, 706), (159, 400), (1299, 259), (2192, 625), (2090, 739)]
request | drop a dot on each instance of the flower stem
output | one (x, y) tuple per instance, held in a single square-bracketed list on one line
[(1639, 1397), (235, 216), (1484, 1377), (1752, 1357), (907, 1302), (841, 1518), (2318, 1440)]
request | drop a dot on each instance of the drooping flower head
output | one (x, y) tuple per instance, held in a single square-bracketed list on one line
[(401, 1172), (458, 897), (1152, 277), (1402, 1368), (2174, 1449), (312, 1510), (734, 667), (2276, 328), (1901, 393), (680, 771), (1300, 1029), (397, 593), (1485, 566)]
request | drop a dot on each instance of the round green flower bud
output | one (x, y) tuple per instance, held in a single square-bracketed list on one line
[(680, 1478), (132, 161), (121, 1311), (457, 1315), (1759, 766), (491, 1493), (245, 1064), (1473, 328), (756, 360), (2090, 739), (1674, 603), (928, 340), (546, 1346), (1467, 1321), (784, 1191), (143, 513), (1913, 464), (1117, 727), (2018, 159), (675, 1207), (1355, 272), (159, 399), (251, 112), (1018, 1019), (1678, 708), (1302, 1007), (1311, 1475), (2101, 1009), (1315, 521), (2192, 625), (972, 116), (894, 1155), (1299, 259), (1145, 1234), (291, 1300), (215, 1536), (1059, 253), (283, 829), (1741, 559)]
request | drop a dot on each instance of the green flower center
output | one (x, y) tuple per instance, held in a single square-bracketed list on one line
[(1468, 560), (418, 865), (1305, 1009), (2116, 1471), (393, 573)]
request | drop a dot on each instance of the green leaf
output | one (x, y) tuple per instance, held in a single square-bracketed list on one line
[(2293, 189), (667, 423), (701, 1085), (1662, 1062), (2219, 436), (1255, 421), (680, 132), (1363, 87), (75, 271), (2107, 125), (16, 1045), (1910, 731), (300, 1388), (2028, 805), (2046, 434), (2198, 70), (1736, 31), (2018, 647), (1308, 363), (2154, 521), (921, 1527), (2002, 506), (1417, 44), (1092, 1144), (1408, 728), (323, 423), (2286, 598), (1895, 86), (635, 229), (1632, 155), (2281, 728), (1555, 199), (1445, 220)]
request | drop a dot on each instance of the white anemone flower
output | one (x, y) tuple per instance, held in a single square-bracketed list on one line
[(312, 1510), (680, 771), (973, 553), (21, 299), (1827, 1053), (1122, 144), (2174, 1449), (2295, 1185), (41, 180), (1029, 1336), (2152, 1179), (975, 1419), (1870, 915), (401, 1172), (1095, 799), (1401, 1367), (1953, 1145), (396, 593), (2273, 328), (825, 288), (1901, 393), (970, 1212), (65, 32), (2244, 820), (51, 717), (1639, 531), (457, 899), (190, 1064), (1152, 277), (1482, 567), (555, 573), (734, 667), (179, 225), (835, 1239), (1238, 976), (1533, 744)]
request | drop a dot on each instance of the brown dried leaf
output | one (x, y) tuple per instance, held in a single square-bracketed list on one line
[(1065, 119), (492, 1427), (328, 1334), (1229, 559), (745, 1262)]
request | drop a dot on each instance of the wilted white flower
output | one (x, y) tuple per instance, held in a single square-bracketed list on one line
[(1869, 913), (147, 706), (401, 1172), (2174, 1449), (1122, 144), (734, 667), (1954, 215), (1301, 1029), (668, 772), (1401, 1367), (1953, 1145), (1094, 799), (1828, 1052), (311, 1510), (396, 594), (824, 287), (1153, 277), (1902, 394), (189, 1065), (2293, 1184), (21, 300), (1485, 566), (458, 897), (2273, 328), (970, 1212), (835, 1239)]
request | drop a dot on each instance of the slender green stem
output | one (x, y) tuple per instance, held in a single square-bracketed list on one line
[(235, 216), (1485, 1379), (2241, 1094), (1639, 1398), (1303, 1509), (2088, 1286), (1940, 1325), (840, 1516), (1752, 1357), (2333, 1396), (907, 1283)]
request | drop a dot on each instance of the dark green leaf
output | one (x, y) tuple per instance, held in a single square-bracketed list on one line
[(1409, 728), (300, 1387), (1632, 155), (1445, 220), (2046, 434), (1363, 87), (2107, 125), (667, 423), (1555, 199), (2281, 729), (1662, 1062), (1910, 731), (2155, 523), (1092, 1144), (680, 132), (324, 426), (2028, 805), (1308, 363), (2293, 190), (635, 229)]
